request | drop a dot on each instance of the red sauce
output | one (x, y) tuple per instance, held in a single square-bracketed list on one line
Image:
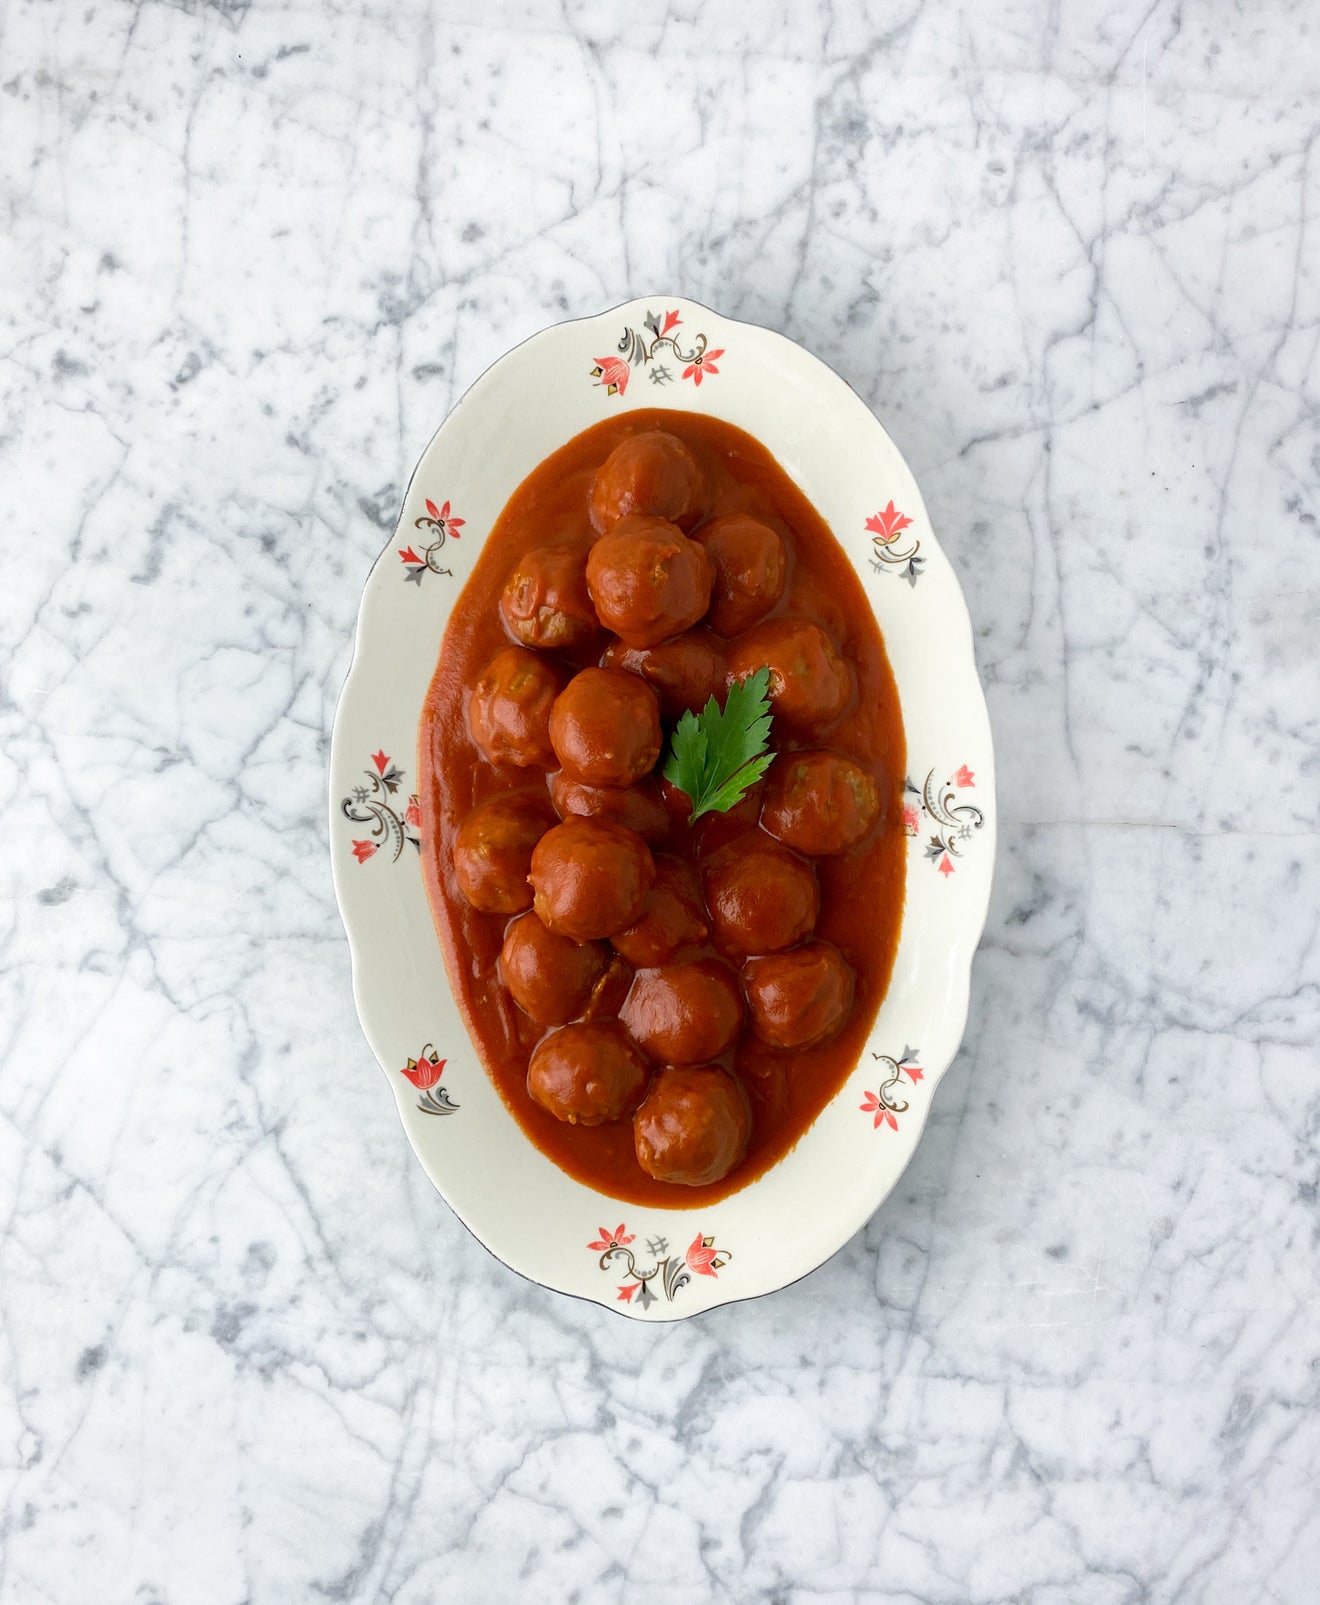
[(861, 888)]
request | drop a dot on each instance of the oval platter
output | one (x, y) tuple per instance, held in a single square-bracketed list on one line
[(660, 1264)]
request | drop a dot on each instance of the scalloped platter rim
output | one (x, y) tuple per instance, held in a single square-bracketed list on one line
[(652, 1264)]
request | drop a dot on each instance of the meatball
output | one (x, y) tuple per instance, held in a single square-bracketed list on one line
[(810, 684), (648, 580), (749, 568), (686, 671), (586, 1074), (493, 851), (761, 898), (819, 802), (509, 710), (590, 878), (640, 807), (798, 999), (609, 992), (693, 1127), (649, 473), (684, 1013), (672, 917), (546, 603), (549, 977), (605, 728)]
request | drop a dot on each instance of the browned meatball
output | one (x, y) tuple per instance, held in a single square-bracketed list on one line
[(640, 807), (810, 684), (672, 916), (798, 999), (684, 1013), (548, 976), (649, 473), (749, 568), (493, 851), (693, 1127), (588, 1073), (605, 728), (590, 878), (686, 671), (609, 992), (819, 802), (546, 603), (761, 898), (648, 580), (509, 710)]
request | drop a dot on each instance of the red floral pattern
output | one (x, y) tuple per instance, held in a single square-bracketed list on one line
[(424, 1072), (884, 1105), (954, 822), (885, 528), (392, 825), (440, 525), (668, 1271), (657, 351)]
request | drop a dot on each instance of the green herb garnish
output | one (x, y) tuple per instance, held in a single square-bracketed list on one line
[(716, 755)]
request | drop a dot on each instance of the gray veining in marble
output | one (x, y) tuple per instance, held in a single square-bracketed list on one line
[(250, 255)]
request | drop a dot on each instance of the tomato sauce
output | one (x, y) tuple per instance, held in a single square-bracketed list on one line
[(861, 888)]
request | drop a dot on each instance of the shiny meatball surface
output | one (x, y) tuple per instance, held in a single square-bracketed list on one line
[(819, 803), (590, 878), (605, 728), (548, 976), (685, 671), (640, 806), (749, 567), (493, 851), (652, 472), (673, 916), (761, 898), (810, 684), (588, 1073), (648, 581), (684, 1013), (693, 1127), (800, 998), (509, 710), (546, 603)]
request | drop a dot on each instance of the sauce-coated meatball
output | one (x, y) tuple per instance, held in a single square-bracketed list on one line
[(509, 710), (800, 998), (640, 807), (649, 473), (684, 1013), (693, 1127), (749, 567), (819, 802), (586, 1074), (672, 917), (605, 728), (609, 992), (546, 603), (761, 898), (686, 671), (590, 878), (549, 977), (493, 851), (810, 684), (648, 580)]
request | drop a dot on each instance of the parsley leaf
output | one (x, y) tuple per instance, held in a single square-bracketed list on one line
[(716, 755)]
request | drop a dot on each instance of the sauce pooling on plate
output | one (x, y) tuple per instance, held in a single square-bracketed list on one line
[(664, 1004)]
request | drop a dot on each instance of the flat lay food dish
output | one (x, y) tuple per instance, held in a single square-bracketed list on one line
[(667, 985), (663, 728)]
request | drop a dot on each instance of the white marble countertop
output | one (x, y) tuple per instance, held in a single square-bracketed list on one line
[(251, 254)]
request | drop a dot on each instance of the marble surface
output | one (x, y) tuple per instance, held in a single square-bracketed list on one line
[(250, 255)]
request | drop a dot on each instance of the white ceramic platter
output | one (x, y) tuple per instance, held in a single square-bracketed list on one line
[(660, 1264)]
